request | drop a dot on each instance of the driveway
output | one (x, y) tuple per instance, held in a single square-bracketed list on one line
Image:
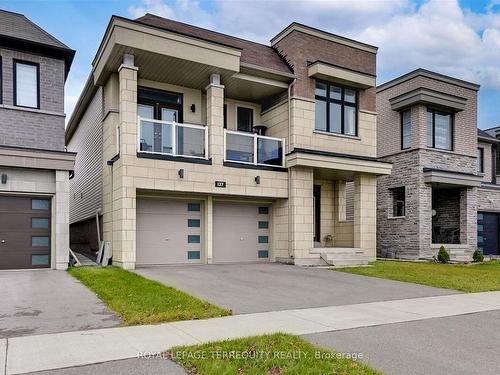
[(250, 288), (45, 301)]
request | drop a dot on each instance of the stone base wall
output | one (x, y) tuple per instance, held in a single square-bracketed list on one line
[(488, 199)]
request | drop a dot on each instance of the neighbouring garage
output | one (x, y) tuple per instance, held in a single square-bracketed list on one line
[(25, 234), (488, 232), (169, 231), (241, 232)]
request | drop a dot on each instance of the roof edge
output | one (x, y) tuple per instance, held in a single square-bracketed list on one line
[(80, 108)]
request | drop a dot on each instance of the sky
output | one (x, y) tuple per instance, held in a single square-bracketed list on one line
[(460, 38)]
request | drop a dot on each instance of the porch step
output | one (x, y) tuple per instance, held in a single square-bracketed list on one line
[(341, 256)]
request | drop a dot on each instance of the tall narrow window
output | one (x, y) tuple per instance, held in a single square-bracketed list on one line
[(480, 160), (439, 129), (1, 81), (406, 129), (336, 109), (244, 119), (26, 84), (398, 201)]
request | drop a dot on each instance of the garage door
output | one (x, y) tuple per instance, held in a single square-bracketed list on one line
[(241, 233), (24, 232), (168, 231)]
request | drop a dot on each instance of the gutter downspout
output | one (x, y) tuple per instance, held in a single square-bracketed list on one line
[(289, 149)]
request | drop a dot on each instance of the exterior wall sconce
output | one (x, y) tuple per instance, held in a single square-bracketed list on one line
[(257, 180), (181, 173), (193, 108), (4, 179)]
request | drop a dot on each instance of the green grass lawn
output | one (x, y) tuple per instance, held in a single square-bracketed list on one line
[(264, 355), (142, 301), (466, 278)]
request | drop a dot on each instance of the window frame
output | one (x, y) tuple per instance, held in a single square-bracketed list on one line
[(452, 123), (480, 159), (402, 129), (14, 83), (393, 205), (1, 80), (252, 118), (342, 103), (158, 101)]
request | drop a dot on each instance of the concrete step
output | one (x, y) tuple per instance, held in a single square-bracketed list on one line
[(347, 262), (336, 250)]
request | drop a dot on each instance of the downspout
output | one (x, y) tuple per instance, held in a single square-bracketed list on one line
[(289, 149)]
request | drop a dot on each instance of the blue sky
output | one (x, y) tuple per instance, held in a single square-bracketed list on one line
[(459, 38)]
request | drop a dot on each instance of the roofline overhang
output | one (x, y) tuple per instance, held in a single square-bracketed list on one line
[(488, 139), (331, 72), (427, 96), (296, 26), (451, 178)]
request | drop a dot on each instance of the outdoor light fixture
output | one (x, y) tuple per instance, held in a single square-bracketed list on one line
[(193, 108), (181, 173), (257, 180), (4, 179)]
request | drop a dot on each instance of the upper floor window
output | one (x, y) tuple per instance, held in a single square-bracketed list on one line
[(439, 129), (406, 129), (336, 108), (480, 160), (26, 84), (1, 82), (244, 119)]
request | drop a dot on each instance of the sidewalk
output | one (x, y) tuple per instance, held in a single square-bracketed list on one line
[(51, 351)]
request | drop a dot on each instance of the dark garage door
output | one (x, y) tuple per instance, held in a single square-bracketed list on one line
[(24, 232), (487, 232)]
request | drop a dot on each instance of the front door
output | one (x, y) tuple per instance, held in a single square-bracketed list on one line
[(487, 232), (317, 212)]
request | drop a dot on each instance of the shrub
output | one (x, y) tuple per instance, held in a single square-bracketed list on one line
[(443, 255), (477, 256)]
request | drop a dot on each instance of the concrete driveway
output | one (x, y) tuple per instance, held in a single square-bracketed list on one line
[(45, 301), (260, 287)]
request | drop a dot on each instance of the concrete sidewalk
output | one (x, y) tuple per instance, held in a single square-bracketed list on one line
[(51, 351)]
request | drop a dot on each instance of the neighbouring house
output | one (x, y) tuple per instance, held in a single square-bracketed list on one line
[(488, 205), (199, 147), (427, 127), (34, 166)]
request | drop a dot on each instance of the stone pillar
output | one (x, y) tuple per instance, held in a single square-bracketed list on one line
[(215, 119), (365, 211), (468, 217), (301, 207), (61, 210), (124, 193)]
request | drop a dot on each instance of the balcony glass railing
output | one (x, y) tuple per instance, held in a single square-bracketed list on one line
[(171, 138), (251, 148)]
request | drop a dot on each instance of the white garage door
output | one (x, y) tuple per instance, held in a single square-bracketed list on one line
[(168, 231), (241, 233)]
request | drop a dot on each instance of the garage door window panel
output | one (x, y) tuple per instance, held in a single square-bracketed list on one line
[(263, 254), (194, 207), (39, 260), (192, 255), (39, 241), (40, 204), (194, 238), (39, 223), (194, 223)]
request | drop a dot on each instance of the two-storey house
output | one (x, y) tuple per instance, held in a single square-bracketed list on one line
[(200, 147), (427, 127), (34, 167)]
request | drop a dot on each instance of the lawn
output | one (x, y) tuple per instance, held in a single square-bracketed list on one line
[(264, 355), (142, 301), (481, 277)]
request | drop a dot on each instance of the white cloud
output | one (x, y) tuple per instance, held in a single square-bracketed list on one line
[(437, 35)]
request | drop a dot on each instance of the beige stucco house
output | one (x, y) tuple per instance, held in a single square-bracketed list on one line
[(199, 147)]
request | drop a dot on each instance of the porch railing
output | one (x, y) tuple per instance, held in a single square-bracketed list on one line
[(249, 148), (172, 138)]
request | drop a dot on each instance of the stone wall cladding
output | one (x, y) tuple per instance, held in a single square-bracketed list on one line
[(44, 128), (487, 177), (488, 199), (389, 122)]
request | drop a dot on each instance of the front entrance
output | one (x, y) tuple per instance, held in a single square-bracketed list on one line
[(487, 232), (24, 232)]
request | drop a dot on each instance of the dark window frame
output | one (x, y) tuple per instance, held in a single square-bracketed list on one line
[(1, 80), (342, 103), (480, 159), (317, 212), (394, 191), (157, 99), (251, 110), (452, 135), (225, 115), (402, 129), (14, 83)]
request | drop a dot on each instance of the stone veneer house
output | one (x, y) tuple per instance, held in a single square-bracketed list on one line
[(199, 147), (34, 167), (442, 174)]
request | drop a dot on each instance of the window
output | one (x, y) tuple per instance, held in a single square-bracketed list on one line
[(480, 160), (39, 204), (398, 201), (406, 129), (439, 129), (194, 207), (225, 116), (244, 119), (336, 109), (1, 82), (26, 84)]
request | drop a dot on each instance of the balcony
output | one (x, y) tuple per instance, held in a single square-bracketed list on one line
[(248, 148), (172, 138)]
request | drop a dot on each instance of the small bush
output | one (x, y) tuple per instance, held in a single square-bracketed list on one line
[(477, 256), (443, 255)]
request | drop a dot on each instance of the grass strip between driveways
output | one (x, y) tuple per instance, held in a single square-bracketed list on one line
[(142, 301), (265, 355), (481, 277)]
